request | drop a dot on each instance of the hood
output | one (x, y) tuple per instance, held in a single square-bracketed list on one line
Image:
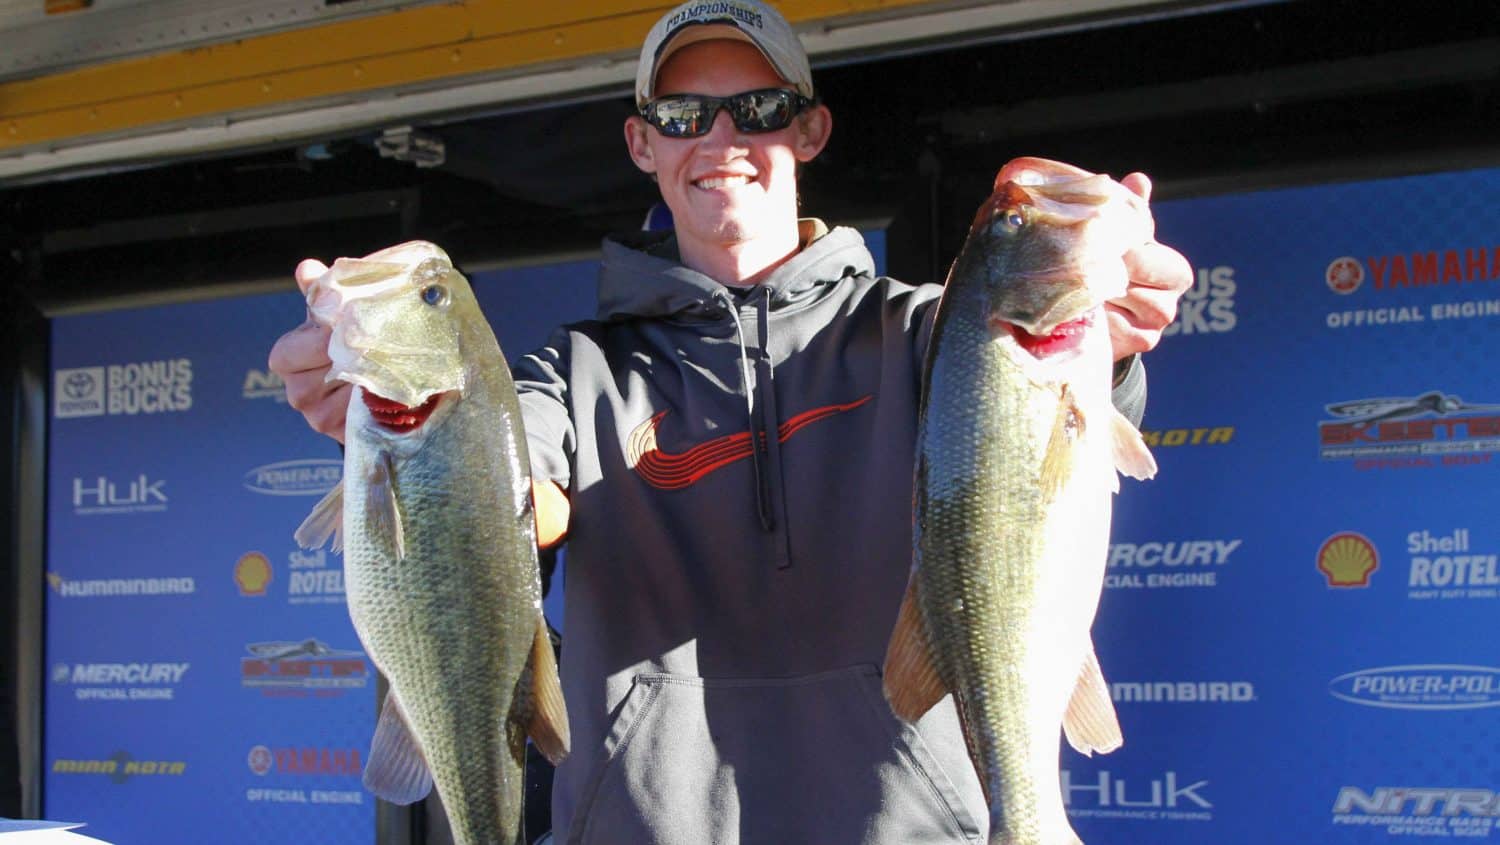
[(640, 274)]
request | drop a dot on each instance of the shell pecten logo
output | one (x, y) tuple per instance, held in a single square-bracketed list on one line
[(252, 572), (1346, 559)]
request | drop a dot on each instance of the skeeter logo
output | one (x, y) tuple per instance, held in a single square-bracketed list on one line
[(1420, 687)]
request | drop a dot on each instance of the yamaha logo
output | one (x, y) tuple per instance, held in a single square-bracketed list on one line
[(1344, 275)]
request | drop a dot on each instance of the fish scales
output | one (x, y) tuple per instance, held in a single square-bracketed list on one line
[(439, 540), (1016, 457)]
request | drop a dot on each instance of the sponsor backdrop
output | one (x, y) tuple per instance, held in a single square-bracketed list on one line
[(1297, 620), (205, 684)]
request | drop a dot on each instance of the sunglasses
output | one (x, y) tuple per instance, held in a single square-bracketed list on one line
[(692, 115)]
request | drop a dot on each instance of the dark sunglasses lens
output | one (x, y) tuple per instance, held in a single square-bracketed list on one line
[(762, 111), (680, 117)]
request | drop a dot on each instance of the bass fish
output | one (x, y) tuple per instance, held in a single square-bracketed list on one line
[(1018, 447), (434, 517)]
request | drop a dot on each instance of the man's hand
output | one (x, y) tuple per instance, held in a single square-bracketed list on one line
[(1159, 275), (300, 357), (552, 510)]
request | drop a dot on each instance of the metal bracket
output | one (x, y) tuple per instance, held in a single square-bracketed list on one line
[(404, 143)]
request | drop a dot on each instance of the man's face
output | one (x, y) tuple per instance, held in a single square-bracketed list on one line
[(727, 186)]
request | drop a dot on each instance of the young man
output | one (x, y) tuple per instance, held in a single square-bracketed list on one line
[(729, 449)]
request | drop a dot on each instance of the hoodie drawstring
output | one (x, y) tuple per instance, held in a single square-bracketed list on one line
[(770, 436), (757, 431)]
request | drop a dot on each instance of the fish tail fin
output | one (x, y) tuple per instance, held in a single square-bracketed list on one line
[(326, 520), (912, 684), (1131, 455), (1090, 723), (548, 726)]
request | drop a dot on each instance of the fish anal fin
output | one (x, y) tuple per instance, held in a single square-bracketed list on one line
[(396, 769), (1090, 723), (382, 513), (1061, 456), (912, 684), (326, 520), (1131, 455), (548, 727)]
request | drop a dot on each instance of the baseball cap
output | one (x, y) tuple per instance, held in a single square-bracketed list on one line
[(750, 21)]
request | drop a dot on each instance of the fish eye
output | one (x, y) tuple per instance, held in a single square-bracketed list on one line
[(435, 295), (1010, 219)]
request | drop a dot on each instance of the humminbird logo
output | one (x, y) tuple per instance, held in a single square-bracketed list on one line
[(101, 495), (120, 767), (120, 681), (146, 387), (1185, 692), (308, 477), (1419, 810), (263, 384), (1106, 795), (114, 587), (309, 667), (1430, 429), (1420, 687)]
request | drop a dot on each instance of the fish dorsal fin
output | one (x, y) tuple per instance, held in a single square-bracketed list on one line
[(912, 684), (549, 716), (1090, 723), (326, 520), (382, 513), (1129, 448), (1060, 458), (396, 769)]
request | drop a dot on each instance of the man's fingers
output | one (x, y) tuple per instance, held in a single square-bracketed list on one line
[(303, 349), (1139, 183), (1155, 265)]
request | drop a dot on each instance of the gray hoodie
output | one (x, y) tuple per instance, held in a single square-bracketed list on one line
[(728, 607)]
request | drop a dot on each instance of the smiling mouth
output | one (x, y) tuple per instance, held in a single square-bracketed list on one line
[(711, 183), (393, 416)]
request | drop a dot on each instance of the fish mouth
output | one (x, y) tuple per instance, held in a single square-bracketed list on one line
[(1064, 337), (396, 417)]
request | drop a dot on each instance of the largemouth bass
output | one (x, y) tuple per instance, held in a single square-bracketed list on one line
[(435, 520), (1017, 452)]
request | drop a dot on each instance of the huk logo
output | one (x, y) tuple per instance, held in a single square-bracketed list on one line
[(1169, 797), (1344, 275), (1346, 559), (100, 495), (252, 572)]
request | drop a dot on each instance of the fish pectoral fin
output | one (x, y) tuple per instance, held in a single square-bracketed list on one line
[(326, 520), (1060, 459), (382, 513), (912, 684), (1090, 723), (396, 769), (1130, 453), (548, 727)]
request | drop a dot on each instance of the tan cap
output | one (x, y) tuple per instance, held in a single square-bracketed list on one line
[(750, 21)]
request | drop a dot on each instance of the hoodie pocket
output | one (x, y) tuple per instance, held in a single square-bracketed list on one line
[(817, 758)]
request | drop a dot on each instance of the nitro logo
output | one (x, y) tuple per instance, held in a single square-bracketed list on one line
[(1346, 559), (147, 387), (307, 477), (312, 581), (100, 495), (1175, 563), (263, 384), (1419, 810), (120, 681), (1106, 795), (120, 767), (1185, 692), (299, 669), (1207, 307), (114, 587), (1442, 567), (1430, 687), (1430, 429), (305, 761)]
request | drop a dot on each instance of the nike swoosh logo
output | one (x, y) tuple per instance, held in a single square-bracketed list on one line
[(676, 470)]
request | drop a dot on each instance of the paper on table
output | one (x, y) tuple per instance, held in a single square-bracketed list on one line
[(37, 832)]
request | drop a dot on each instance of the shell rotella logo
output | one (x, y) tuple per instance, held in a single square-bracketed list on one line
[(1344, 275), (252, 572), (1346, 559)]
